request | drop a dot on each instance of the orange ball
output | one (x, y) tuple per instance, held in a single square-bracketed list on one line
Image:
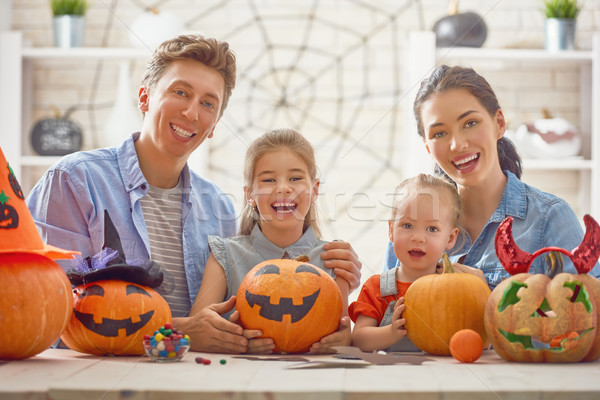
[(466, 345)]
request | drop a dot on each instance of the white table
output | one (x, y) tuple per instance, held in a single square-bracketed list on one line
[(65, 374)]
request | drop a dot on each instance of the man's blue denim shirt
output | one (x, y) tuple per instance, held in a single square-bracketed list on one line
[(68, 206)]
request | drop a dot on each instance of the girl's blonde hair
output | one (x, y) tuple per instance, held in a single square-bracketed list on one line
[(271, 141), (410, 188)]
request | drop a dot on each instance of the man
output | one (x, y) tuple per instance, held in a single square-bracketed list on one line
[(161, 209)]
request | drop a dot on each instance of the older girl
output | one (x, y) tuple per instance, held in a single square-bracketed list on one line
[(278, 221)]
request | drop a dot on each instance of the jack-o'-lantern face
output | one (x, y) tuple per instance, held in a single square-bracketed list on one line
[(112, 316), (536, 318), (532, 318), (8, 215), (292, 302)]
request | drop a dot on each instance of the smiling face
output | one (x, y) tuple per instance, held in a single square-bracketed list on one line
[(181, 110), (112, 316), (461, 135), (283, 192), (422, 229)]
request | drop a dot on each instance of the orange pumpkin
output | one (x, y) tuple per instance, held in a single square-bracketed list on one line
[(36, 304), (529, 318), (294, 303), (439, 305), (539, 318), (111, 317)]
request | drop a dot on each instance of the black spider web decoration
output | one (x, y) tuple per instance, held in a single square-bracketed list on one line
[(316, 72), (331, 69)]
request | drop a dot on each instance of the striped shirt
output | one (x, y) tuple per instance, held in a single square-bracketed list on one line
[(162, 213)]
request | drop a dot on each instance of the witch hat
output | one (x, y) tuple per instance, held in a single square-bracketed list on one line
[(110, 263), (18, 233)]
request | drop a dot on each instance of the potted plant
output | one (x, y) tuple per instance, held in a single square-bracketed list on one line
[(561, 16), (69, 22)]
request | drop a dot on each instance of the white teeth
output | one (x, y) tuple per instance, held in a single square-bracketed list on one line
[(465, 160), (182, 132), (283, 205)]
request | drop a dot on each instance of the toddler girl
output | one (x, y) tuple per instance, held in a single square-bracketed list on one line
[(422, 227)]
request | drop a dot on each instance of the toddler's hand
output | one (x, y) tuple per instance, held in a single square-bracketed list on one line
[(398, 322)]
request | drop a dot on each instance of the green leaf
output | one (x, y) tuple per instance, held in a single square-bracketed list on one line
[(68, 7), (568, 9)]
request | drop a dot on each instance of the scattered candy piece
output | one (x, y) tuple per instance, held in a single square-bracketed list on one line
[(204, 361), (223, 361)]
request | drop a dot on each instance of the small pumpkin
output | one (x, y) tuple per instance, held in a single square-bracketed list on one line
[(539, 318), (466, 29), (293, 302), (549, 137), (35, 305), (153, 26), (439, 305), (111, 317), (56, 136)]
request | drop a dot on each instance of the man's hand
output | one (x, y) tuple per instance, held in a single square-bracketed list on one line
[(341, 257), (210, 332)]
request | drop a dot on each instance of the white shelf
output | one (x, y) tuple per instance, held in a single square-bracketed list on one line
[(514, 54), (82, 53), (572, 164)]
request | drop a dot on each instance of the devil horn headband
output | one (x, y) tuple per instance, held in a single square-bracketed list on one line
[(516, 261)]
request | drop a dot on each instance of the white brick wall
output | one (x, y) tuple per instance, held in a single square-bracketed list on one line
[(355, 49)]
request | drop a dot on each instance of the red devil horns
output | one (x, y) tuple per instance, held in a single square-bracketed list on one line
[(516, 261)]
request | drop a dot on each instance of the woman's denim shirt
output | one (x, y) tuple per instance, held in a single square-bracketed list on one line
[(539, 220)]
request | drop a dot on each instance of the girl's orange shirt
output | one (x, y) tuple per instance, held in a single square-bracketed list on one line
[(370, 303)]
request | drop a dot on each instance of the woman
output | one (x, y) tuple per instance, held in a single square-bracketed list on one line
[(462, 126)]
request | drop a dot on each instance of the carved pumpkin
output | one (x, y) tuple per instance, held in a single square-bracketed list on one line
[(35, 305), (536, 318), (294, 303), (111, 317), (439, 305)]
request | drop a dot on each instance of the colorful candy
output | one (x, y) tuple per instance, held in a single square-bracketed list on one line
[(166, 344)]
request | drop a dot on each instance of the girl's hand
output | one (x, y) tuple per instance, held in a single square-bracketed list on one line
[(398, 322), (340, 256), (256, 344), (339, 338)]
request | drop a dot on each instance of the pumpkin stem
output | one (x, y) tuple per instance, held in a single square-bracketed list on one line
[(302, 258), (447, 264), (453, 7), (555, 263)]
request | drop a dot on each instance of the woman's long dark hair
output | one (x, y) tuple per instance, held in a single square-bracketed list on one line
[(446, 78)]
